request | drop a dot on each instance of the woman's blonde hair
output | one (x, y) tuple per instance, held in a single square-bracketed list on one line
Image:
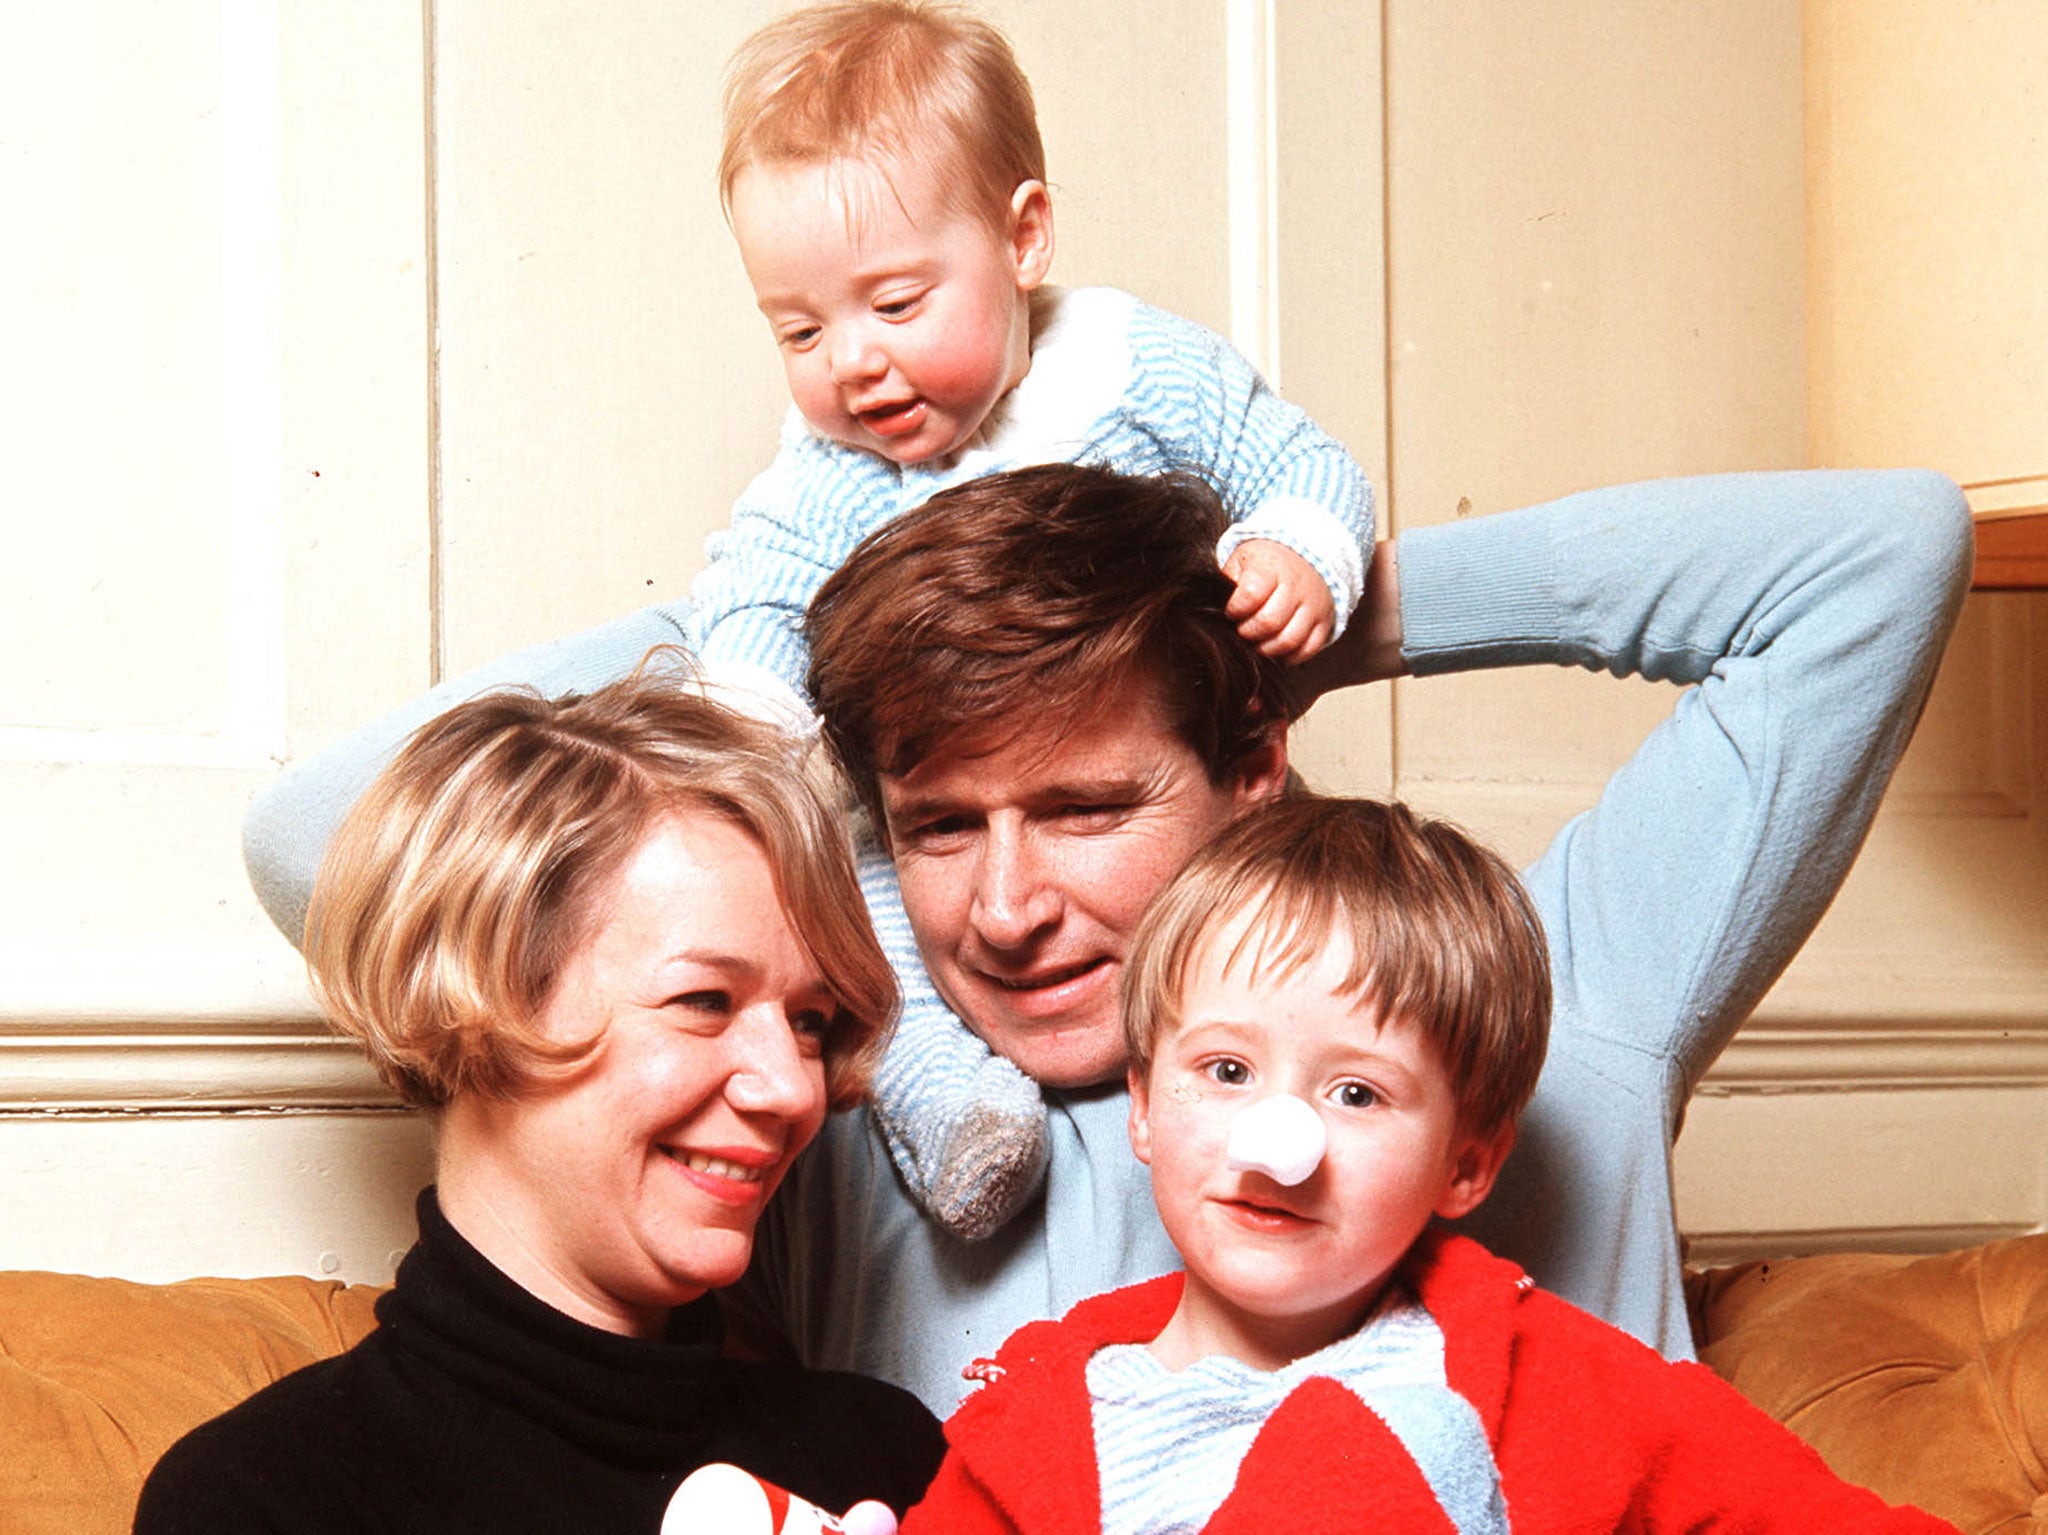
[(889, 78), (1441, 933), (467, 874)]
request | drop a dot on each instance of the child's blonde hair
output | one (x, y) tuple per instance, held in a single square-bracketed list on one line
[(1442, 935), (898, 77)]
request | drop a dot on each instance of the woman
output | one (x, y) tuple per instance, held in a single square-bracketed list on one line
[(614, 945)]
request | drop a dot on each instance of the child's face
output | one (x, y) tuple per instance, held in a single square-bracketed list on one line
[(901, 321), (1275, 1272)]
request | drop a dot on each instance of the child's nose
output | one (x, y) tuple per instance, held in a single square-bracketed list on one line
[(1280, 1136), (855, 356)]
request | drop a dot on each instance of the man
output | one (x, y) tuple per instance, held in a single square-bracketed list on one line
[(1027, 684)]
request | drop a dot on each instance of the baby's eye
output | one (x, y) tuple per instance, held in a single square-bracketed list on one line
[(897, 308), (1355, 1095), (1230, 1073), (801, 339)]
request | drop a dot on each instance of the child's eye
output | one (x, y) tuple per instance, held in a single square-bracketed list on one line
[(1230, 1073), (1355, 1095), (802, 339), (897, 308)]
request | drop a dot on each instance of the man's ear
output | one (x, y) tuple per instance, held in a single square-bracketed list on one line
[(1262, 776), (1141, 1113), (1030, 234), (1478, 1163)]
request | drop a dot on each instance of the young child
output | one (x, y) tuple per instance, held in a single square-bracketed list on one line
[(885, 182), (1335, 1015)]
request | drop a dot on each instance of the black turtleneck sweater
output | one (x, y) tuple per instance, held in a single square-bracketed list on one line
[(475, 1406)]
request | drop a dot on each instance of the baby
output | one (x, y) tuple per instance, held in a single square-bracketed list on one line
[(884, 179), (1335, 1015)]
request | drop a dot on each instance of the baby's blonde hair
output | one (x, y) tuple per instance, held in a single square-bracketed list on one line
[(889, 78)]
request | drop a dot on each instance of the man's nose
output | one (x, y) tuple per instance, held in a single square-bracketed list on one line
[(1013, 900)]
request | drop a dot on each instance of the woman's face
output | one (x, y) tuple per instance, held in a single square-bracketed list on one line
[(631, 1183)]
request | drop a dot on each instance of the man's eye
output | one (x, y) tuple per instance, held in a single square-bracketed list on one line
[(1355, 1095), (940, 829), (1230, 1073), (1093, 814)]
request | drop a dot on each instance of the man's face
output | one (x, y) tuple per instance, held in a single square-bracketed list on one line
[(1026, 868)]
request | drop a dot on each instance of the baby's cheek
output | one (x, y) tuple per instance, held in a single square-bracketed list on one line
[(964, 364)]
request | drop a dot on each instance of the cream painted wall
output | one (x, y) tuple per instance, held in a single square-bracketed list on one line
[(359, 342), (1900, 1069), (213, 465)]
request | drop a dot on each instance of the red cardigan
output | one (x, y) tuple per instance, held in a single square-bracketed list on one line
[(1591, 1431)]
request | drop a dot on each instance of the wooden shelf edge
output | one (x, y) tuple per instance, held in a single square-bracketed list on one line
[(2012, 553)]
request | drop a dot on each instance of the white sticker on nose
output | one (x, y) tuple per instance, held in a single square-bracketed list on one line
[(1281, 1137)]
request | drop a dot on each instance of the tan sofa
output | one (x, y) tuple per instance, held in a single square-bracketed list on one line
[(1926, 1378)]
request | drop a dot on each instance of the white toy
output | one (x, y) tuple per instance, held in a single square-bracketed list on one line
[(1281, 1137), (719, 1499)]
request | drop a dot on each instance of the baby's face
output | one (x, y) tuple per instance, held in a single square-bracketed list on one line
[(1276, 1270), (901, 321)]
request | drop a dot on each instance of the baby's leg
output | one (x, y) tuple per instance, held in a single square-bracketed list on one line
[(964, 1126)]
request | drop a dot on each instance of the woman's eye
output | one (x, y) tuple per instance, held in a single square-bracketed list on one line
[(714, 1002), (1355, 1095), (1230, 1073), (812, 1025)]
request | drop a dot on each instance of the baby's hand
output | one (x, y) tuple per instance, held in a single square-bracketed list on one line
[(1280, 604)]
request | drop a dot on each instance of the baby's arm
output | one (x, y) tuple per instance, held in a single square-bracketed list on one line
[(1290, 486), (1280, 605), (790, 529)]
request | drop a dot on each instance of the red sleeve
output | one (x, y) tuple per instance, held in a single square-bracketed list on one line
[(1599, 1425), (955, 1504)]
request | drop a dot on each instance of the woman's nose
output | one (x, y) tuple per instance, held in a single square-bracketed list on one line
[(770, 1073), (1012, 898)]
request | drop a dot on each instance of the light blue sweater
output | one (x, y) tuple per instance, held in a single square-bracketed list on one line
[(1809, 609), (1113, 382)]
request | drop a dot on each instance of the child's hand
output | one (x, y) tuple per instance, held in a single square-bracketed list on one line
[(1280, 604)]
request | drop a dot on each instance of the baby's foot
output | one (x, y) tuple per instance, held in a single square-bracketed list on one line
[(992, 1165)]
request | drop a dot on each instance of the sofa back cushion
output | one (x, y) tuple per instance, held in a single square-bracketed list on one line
[(1923, 1378), (98, 1377)]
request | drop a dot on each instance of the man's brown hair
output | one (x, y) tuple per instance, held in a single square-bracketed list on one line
[(1022, 602), (1442, 934)]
